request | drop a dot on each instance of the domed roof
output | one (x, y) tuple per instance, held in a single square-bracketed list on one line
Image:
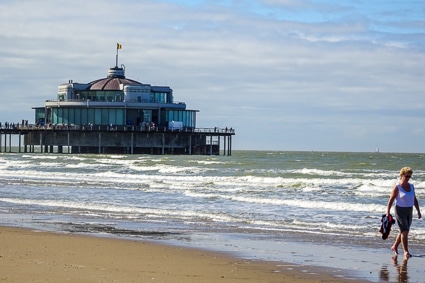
[(113, 81)]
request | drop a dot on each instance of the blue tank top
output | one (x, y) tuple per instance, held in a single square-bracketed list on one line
[(405, 199)]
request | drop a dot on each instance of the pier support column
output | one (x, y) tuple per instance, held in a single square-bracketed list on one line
[(219, 144), (41, 142), (163, 144), (68, 142), (132, 144), (100, 143)]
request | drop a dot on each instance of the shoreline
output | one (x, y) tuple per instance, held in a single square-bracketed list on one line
[(38, 256)]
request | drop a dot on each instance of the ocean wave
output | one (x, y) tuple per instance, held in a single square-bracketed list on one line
[(275, 192)]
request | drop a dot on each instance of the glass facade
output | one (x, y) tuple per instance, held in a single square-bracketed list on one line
[(185, 116), (100, 95), (147, 116), (116, 96), (40, 115), (159, 97), (114, 116), (84, 116)]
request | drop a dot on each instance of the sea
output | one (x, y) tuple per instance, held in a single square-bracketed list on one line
[(312, 209)]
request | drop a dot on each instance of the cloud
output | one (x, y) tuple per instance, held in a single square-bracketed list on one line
[(285, 74)]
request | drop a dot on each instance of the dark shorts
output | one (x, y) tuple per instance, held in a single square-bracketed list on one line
[(404, 217)]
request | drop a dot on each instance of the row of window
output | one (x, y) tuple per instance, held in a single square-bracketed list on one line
[(114, 96), (82, 116), (114, 116), (187, 117)]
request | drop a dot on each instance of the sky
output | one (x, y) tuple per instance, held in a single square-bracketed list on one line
[(291, 75)]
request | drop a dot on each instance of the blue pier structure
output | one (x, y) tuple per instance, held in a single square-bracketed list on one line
[(116, 115)]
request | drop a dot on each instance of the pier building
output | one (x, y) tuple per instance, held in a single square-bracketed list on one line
[(117, 115)]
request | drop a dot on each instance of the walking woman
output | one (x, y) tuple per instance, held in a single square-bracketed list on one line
[(404, 195)]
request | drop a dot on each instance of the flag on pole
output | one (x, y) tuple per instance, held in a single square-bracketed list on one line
[(119, 46)]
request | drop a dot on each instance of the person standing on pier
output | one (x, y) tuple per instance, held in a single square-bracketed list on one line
[(404, 195)]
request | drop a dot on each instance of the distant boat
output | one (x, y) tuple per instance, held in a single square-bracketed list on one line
[(377, 149)]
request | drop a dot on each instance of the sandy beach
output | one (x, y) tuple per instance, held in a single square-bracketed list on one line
[(32, 256)]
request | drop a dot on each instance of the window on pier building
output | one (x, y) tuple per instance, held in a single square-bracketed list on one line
[(85, 116), (40, 115), (147, 116), (159, 97), (101, 95), (187, 117), (81, 95)]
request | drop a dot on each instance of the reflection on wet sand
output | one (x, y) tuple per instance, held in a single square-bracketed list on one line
[(401, 269)]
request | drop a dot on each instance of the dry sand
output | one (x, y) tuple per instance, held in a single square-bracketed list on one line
[(30, 256)]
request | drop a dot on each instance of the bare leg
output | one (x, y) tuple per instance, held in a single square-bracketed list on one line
[(397, 242), (405, 243)]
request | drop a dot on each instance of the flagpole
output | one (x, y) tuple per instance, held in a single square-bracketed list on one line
[(119, 46), (116, 58)]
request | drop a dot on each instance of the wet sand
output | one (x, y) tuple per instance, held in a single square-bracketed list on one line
[(32, 256)]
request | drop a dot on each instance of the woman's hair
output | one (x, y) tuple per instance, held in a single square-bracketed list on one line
[(405, 170)]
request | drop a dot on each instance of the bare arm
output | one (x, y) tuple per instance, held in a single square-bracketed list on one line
[(393, 195), (417, 208)]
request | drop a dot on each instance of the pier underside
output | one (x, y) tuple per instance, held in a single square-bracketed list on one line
[(198, 142)]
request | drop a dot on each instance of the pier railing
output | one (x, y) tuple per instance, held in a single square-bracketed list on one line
[(22, 127)]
